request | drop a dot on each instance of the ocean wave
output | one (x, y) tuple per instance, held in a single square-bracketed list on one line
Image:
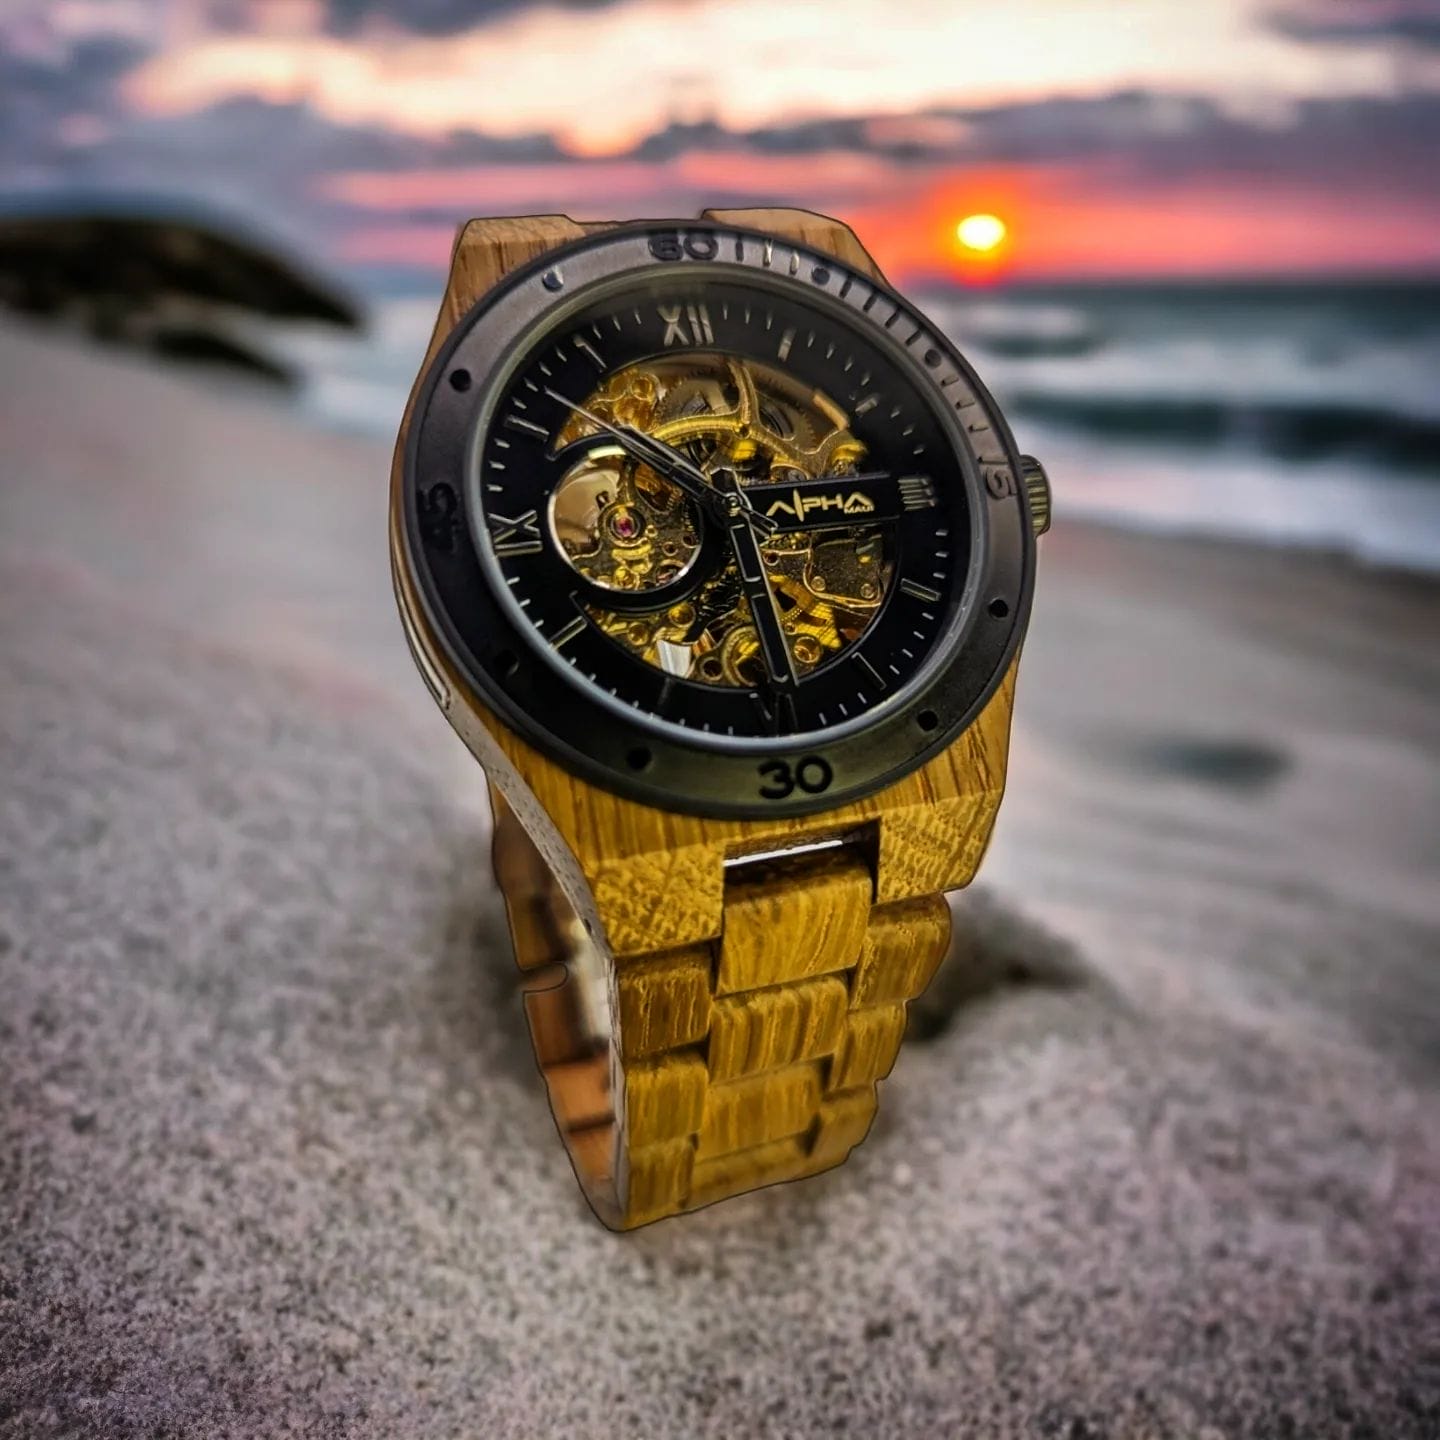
[(1026, 332), (1297, 431), (1343, 507), (1309, 371)]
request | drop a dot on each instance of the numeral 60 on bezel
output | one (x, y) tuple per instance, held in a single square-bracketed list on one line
[(673, 245)]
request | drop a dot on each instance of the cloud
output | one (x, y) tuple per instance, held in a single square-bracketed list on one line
[(432, 17), (86, 70), (603, 78), (1344, 22), (53, 92), (100, 104), (1366, 142), (293, 158)]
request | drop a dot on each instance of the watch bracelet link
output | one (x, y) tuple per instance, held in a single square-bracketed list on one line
[(738, 1063)]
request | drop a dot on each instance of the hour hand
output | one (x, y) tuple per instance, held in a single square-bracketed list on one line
[(739, 523), (662, 458)]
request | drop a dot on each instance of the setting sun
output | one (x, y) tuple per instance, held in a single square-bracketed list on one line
[(981, 233)]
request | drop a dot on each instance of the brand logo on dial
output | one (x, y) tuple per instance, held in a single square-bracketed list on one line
[(857, 502)]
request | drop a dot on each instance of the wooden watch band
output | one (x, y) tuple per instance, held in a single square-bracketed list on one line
[(728, 1065)]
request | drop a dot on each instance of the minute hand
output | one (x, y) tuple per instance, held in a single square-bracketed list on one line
[(664, 459), (739, 522)]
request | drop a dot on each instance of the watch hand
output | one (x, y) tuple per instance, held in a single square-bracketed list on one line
[(738, 525), (660, 457), (666, 461)]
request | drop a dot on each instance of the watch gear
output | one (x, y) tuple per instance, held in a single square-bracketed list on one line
[(623, 527), (619, 526)]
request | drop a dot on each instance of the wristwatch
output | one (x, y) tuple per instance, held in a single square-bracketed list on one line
[(718, 557)]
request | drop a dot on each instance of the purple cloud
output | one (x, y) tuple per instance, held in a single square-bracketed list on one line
[(1344, 22)]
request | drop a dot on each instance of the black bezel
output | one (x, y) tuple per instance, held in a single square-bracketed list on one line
[(606, 740)]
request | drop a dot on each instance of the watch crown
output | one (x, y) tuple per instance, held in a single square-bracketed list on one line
[(1037, 492)]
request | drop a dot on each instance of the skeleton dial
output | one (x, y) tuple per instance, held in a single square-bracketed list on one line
[(725, 506)]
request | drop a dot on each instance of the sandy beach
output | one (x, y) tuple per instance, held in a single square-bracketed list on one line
[(1162, 1159)]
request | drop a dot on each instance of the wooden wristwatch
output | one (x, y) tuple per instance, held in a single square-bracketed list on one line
[(718, 556)]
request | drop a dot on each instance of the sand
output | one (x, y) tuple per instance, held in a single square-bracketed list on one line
[(1163, 1158)]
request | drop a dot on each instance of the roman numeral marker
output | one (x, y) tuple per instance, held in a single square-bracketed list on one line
[(567, 633), (516, 422), (919, 591), (916, 492), (871, 671), (686, 325), (520, 536), (778, 710)]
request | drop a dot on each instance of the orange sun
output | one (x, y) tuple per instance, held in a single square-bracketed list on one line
[(981, 234)]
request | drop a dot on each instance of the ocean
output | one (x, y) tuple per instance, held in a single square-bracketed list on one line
[(1296, 414)]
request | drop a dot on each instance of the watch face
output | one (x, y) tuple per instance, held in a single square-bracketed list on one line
[(716, 520)]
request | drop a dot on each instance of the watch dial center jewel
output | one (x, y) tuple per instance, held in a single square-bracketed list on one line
[(618, 530)]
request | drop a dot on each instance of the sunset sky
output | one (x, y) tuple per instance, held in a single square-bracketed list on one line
[(1113, 137)]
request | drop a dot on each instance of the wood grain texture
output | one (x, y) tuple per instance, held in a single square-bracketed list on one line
[(725, 1175), (664, 1002), (868, 1046), (820, 232), (657, 877), (664, 1098), (776, 931), (841, 1123), (655, 1174), (781, 1085), (904, 943), (740, 1114), (485, 251), (766, 1029)]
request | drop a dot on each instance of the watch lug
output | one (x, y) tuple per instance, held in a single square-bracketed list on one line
[(486, 250)]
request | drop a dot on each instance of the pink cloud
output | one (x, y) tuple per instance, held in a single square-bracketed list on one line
[(608, 186), (493, 189)]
